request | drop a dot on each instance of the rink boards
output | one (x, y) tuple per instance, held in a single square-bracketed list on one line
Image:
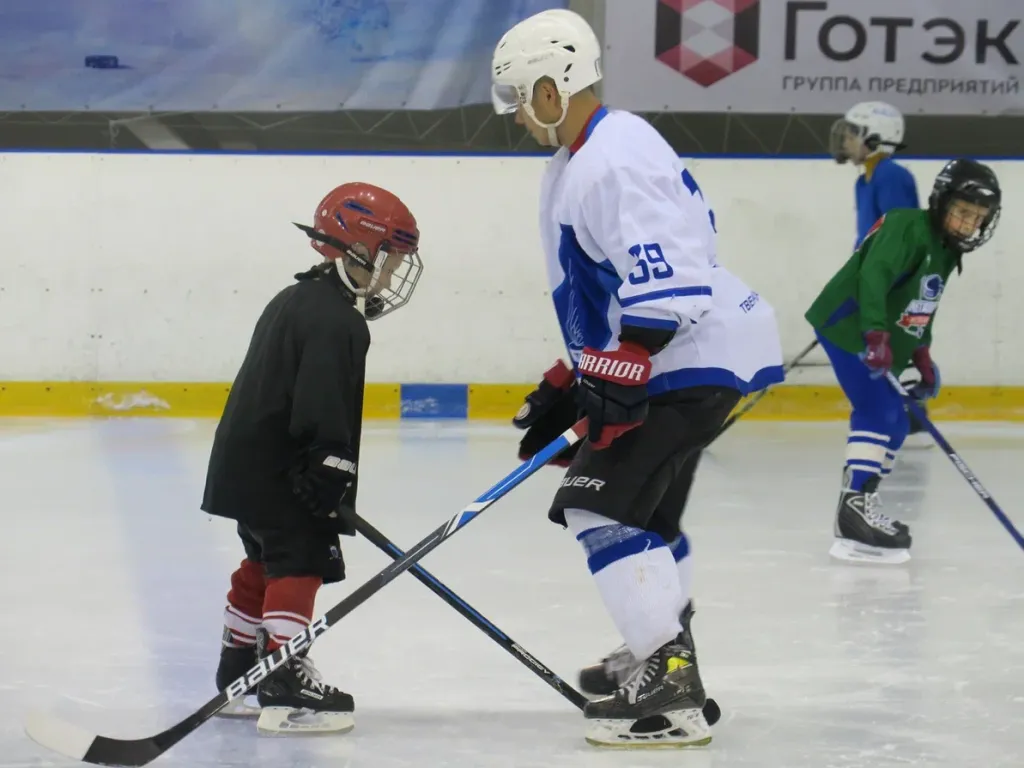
[(790, 402)]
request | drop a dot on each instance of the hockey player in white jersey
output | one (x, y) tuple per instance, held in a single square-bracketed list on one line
[(664, 342)]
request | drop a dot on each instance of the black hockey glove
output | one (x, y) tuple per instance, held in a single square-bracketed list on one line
[(323, 478), (548, 411)]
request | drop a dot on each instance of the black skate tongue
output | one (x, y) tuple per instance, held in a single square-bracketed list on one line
[(712, 712)]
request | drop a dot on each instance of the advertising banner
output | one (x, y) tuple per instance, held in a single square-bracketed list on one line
[(951, 57), (251, 55)]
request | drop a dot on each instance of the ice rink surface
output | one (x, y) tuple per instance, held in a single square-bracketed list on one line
[(114, 584)]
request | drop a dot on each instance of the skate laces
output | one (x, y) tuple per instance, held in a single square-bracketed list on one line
[(310, 675), (642, 676), (874, 516)]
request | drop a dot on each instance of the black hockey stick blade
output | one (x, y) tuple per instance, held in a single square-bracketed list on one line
[(77, 743), (757, 398)]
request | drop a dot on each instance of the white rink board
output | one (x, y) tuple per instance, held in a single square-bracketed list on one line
[(154, 267)]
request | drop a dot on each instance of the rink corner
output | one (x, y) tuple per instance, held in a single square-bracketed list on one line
[(77, 399)]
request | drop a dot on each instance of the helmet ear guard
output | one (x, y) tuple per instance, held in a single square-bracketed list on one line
[(875, 144)]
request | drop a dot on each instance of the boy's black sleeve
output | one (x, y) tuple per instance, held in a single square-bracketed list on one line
[(331, 367)]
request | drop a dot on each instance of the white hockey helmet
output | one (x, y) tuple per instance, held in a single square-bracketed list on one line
[(557, 44), (879, 127)]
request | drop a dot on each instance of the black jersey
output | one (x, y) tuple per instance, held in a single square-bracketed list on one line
[(301, 384)]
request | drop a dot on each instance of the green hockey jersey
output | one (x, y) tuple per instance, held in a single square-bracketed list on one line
[(893, 282)]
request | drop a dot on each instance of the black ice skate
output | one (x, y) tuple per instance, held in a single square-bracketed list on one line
[(864, 534), (609, 674), (235, 662), (295, 700), (659, 706)]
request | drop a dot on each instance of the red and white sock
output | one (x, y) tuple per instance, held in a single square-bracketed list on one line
[(245, 605), (288, 607)]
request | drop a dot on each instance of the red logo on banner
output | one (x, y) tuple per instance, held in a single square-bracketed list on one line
[(707, 40)]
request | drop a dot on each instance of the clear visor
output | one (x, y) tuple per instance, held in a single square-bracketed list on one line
[(844, 140), (505, 98)]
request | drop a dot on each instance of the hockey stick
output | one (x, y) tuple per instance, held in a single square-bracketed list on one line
[(712, 713), (969, 476), (757, 398), (79, 744), (384, 544)]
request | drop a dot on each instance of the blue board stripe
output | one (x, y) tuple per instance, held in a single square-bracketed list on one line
[(434, 401)]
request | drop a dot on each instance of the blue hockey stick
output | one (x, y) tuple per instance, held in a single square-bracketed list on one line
[(79, 744), (969, 476)]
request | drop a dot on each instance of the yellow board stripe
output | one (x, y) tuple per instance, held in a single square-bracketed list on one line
[(482, 401)]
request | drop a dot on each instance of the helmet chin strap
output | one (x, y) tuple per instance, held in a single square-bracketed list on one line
[(359, 293), (551, 127)]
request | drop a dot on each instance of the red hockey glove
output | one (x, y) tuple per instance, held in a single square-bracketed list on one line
[(878, 355), (931, 381), (613, 391), (548, 411)]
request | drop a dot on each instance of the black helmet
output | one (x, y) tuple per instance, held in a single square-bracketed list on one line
[(972, 182)]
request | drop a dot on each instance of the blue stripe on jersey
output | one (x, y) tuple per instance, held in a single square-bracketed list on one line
[(691, 290), (714, 377), (584, 296), (649, 322)]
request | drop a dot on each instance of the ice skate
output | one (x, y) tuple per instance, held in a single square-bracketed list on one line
[(863, 534), (235, 662), (295, 700), (609, 674), (660, 706)]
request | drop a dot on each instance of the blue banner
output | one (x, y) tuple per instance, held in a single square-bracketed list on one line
[(251, 55)]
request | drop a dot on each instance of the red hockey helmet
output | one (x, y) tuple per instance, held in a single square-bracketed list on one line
[(375, 236)]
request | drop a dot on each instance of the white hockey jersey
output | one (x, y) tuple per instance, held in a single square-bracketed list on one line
[(630, 240)]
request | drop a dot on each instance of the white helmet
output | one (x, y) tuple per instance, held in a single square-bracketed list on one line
[(558, 44), (878, 125)]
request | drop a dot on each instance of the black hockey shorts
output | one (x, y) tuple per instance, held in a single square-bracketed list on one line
[(306, 549), (644, 477)]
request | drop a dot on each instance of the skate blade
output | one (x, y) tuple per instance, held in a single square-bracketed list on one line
[(854, 552), (682, 729), (285, 721), (245, 707)]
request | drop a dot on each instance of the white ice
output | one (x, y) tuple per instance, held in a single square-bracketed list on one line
[(114, 583)]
